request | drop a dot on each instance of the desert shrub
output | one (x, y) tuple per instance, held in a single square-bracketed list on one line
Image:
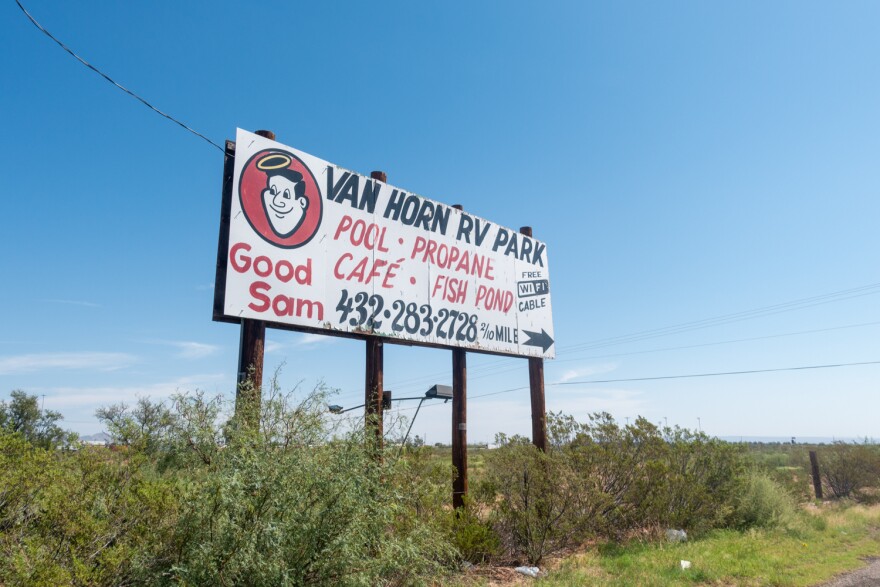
[(282, 499), (619, 470), (537, 498), (702, 479), (471, 534), (638, 476), (848, 468), (284, 502), (22, 415), (763, 503), (85, 518), (144, 426)]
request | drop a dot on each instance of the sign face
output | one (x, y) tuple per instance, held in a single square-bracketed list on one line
[(316, 247)]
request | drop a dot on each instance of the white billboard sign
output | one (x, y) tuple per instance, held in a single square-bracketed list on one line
[(312, 246)]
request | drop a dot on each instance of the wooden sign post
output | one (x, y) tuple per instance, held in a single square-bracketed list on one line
[(248, 394), (459, 422), (375, 372), (536, 389)]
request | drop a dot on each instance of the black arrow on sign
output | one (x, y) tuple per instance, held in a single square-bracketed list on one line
[(542, 340)]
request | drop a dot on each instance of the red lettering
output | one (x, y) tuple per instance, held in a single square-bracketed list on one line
[(390, 274), (338, 263), (283, 306), (256, 292), (354, 237), (359, 269), (429, 252), (418, 247), (344, 225), (268, 264), (287, 274), (240, 263)]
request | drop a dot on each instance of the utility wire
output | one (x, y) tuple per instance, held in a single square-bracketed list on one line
[(111, 80), (802, 303), (503, 364), (693, 375), (719, 342), (665, 377)]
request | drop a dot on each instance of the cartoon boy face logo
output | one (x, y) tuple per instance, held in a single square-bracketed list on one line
[(280, 198), (284, 199)]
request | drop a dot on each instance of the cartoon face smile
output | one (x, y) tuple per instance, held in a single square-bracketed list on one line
[(284, 199), (284, 207)]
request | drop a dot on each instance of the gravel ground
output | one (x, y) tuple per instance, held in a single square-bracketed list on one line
[(866, 577)]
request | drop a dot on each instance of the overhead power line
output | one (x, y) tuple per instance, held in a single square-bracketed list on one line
[(666, 377), (870, 289), (112, 81), (502, 365), (717, 374), (721, 342)]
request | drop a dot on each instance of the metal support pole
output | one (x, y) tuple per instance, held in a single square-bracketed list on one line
[(536, 389), (248, 396), (375, 371)]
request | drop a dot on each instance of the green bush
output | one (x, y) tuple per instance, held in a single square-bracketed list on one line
[(848, 468), (22, 415), (281, 499), (472, 536), (602, 479), (538, 497), (88, 517), (638, 476), (702, 478), (763, 503)]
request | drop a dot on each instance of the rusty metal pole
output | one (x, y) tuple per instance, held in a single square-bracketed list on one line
[(375, 371), (536, 388), (459, 422), (817, 480), (248, 394)]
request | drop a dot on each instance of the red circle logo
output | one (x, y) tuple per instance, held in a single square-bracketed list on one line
[(280, 198)]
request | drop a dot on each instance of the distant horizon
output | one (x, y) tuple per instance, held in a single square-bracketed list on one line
[(783, 440)]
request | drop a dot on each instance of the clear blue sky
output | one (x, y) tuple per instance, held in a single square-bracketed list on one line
[(682, 161)]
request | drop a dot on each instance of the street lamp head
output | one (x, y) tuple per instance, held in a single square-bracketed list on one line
[(439, 392), (334, 409)]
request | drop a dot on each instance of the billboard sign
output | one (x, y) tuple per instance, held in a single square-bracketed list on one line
[(307, 245)]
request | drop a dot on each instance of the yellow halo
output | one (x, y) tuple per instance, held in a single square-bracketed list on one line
[(273, 161)]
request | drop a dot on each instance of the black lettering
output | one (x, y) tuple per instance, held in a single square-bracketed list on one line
[(395, 202), (410, 210), (526, 250), (501, 239), (464, 228), (512, 246), (332, 189), (369, 196), (441, 219), (481, 234), (349, 192), (538, 254), (425, 213)]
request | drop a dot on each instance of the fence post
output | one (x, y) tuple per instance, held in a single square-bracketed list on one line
[(817, 479)]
